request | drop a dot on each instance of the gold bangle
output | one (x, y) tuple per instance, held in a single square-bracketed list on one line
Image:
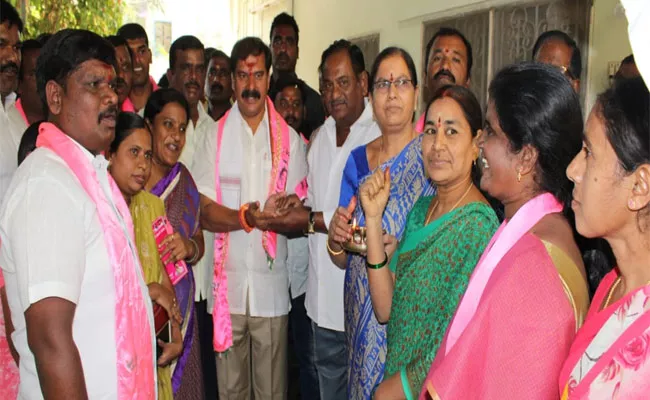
[(332, 252)]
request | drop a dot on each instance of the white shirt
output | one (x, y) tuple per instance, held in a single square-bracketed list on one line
[(12, 127), (245, 174), (53, 246), (638, 17), (297, 265), (324, 300), (194, 134)]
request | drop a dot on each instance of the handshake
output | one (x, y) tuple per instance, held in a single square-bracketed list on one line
[(282, 213)]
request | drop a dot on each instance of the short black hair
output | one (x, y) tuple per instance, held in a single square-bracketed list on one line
[(575, 66), (389, 52), (44, 37), (132, 31), (446, 31), (354, 52), (183, 43), (28, 45), (65, 52), (250, 46), (126, 123), (217, 54), (117, 41), (28, 141), (536, 105), (284, 19), (9, 15), (628, 60), (287, 81), (160, 98), (207, 53)]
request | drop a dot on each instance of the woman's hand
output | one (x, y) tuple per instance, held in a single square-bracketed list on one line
[(173, 350), (390, 245), (340, 230), (177, 247), (167, 300), (374, 194)]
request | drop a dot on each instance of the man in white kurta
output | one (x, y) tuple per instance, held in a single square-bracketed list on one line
[(258, 294)]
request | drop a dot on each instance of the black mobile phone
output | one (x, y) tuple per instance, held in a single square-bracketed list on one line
[(166, 336)]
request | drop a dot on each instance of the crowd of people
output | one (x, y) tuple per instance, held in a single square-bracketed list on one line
[(181, 238)]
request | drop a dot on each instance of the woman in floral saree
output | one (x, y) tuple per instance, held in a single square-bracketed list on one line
[(167, 114), (610, 357)]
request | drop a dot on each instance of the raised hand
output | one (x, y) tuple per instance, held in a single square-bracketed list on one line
[(374, 193)]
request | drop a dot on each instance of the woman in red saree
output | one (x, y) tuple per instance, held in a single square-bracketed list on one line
[(528, 294), (610, 357)]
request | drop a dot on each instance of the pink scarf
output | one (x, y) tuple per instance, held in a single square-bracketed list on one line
[(419, 126), (505, 237), (21, 110), (128, 106), (135, 360), (280, 149)]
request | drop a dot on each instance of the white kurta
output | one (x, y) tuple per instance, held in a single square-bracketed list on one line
[(245, 174), (12, 127), (324, 300)]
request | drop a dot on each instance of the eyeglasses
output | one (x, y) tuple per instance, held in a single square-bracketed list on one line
[(565, 71), (383, 86)]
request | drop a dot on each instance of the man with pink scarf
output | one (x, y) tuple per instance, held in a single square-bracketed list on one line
[(80, 307)]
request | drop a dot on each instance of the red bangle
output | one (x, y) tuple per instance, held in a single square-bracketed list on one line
[(242, 218)]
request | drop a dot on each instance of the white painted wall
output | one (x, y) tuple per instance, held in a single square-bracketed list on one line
[(401, 23)]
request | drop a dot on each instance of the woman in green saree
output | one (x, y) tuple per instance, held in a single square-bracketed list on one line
[(130, 166), (444, 238)]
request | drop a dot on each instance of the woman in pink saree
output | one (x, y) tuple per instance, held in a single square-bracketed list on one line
[(528, 293), (610, 357)]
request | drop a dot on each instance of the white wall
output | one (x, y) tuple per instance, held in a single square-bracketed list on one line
[(401, 23)]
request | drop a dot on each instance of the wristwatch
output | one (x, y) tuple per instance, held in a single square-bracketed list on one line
[(311, 223)]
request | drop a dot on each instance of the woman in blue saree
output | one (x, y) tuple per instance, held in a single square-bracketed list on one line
[(393, 95), (167, 114)]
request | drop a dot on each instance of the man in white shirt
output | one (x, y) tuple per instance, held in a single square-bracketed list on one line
[(344, 84), (250, 161), (60, 276), (12, 124), (186, 74)]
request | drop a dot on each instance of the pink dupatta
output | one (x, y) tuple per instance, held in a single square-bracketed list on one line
[(280, 149), (506, 236), (21, 110), (133, 333)]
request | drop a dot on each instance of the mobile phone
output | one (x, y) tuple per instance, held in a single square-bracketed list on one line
[(163, 327)]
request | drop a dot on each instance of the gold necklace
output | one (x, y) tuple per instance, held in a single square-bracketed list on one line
[(613, 288), (430, 213)]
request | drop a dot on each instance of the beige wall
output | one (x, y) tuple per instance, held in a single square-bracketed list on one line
[(401, 23)]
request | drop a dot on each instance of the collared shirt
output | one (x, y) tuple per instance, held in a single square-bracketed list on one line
[(12, 127), (245, 175), (194, 134), (53, 246), (324, 300)]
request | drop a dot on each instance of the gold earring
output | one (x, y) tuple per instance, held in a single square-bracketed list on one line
[(518, 176)]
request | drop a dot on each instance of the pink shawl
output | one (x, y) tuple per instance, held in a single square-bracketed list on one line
[(280, 149), (21, 110), (133, 333)]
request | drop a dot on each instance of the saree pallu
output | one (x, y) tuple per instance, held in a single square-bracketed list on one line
[(610, 358), (432, 264), (366, 337), (145, 208), (181, 198), (525, 322)]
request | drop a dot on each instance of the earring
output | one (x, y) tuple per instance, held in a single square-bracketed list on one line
[(518, 176)]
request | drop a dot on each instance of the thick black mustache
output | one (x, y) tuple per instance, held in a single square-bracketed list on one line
[(110, 112), (216, 86), (192, 83), (283, 56), (445, 73), (9, 66), (251, 93), (334, 103)]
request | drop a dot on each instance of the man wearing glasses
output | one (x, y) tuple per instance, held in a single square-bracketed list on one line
[(558, 49)]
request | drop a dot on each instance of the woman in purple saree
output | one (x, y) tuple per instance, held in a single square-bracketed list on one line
[(167, 114)]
